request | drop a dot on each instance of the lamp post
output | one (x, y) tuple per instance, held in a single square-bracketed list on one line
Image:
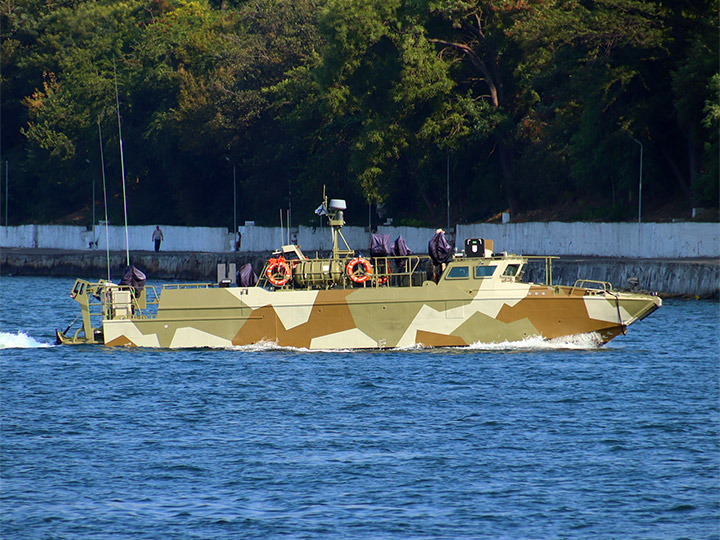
[(448, 190), (639, 181), (92, 183), (7, 174), (234, 199), (447, 184)]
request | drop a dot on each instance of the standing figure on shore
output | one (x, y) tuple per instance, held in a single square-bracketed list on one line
[(157, 237)]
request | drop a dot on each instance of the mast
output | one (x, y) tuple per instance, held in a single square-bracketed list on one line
[(102, 164), (122, 166)]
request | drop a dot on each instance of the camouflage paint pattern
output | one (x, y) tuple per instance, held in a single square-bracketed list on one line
[(455, 312)]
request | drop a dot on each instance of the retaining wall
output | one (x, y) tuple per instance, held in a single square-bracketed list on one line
[(646, 240), (679, 277)]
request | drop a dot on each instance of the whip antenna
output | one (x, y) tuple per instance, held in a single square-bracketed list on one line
[(102, 163), (122, 165)]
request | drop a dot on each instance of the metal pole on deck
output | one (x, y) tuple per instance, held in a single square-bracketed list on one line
[(289, 213), (122, 166), (102, 165), (448, 190)]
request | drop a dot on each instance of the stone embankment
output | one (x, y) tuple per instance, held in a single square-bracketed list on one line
[(667, 277)]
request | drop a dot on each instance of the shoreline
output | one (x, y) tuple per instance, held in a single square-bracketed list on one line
[(690, 277)]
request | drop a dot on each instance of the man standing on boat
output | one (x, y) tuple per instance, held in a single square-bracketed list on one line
[(157, 237)]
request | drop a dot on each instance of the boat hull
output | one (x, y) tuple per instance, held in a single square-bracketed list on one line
[(372, 318)]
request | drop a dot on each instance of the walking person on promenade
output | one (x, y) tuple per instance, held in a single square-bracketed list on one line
[(157, 237)]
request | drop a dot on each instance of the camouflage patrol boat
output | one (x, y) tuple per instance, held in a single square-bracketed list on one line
[(346, 301)]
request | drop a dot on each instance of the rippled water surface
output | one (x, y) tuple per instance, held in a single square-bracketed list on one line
[(523, 440)]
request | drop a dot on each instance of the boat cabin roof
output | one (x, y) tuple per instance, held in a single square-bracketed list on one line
[(503, 268)]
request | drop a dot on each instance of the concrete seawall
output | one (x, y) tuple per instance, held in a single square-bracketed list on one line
[(668, 277), (677, 277), (635, 240)]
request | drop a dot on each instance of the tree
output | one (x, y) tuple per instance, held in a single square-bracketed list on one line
[(600, 71)]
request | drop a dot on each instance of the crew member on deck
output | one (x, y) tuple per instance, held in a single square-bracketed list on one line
[(440, 252)]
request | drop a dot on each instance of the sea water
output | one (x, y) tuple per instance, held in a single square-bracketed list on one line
[(517, 440)]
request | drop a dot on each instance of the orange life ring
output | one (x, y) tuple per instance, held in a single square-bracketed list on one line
[(359, 276), (278, 271)]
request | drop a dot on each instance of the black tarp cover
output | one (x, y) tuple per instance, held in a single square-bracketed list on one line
[(246, 277), (439, 249), (400, 249), (380, 245), (135, 278)]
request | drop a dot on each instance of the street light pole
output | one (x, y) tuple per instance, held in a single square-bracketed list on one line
[(639, 181), (234, 202), (92, 183), (234, 199), (7, 168)]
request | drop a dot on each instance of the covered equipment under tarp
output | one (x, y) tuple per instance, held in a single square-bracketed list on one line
[(380, 245), (379, 249), (401, 249), (134, 278), (246, 277), (438, 248)]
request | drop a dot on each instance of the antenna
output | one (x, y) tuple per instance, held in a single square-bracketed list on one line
[(122, 165), (102, 164), (336, 218)]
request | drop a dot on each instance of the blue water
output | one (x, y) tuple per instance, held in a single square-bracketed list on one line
[(522, 440)]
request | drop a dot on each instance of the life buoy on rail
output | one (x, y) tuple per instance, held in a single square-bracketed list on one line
[(359, 270), (278, 271)]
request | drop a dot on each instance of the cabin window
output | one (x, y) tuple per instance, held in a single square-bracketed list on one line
[(459, 272), (511, 270), (484, 271)]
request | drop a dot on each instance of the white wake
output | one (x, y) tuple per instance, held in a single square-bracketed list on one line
[(579, 342), (20, 341)]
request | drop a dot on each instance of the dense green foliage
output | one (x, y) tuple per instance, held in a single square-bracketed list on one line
[(531, 103)]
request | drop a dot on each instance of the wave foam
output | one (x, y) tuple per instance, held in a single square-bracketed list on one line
[(578, 342), (20, 341), (261, 346)]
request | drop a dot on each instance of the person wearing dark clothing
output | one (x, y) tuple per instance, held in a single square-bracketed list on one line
[(440, 253), (157, 237)]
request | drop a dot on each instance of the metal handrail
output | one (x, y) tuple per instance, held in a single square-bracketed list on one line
[(548, 265), (605, 286), (187, 285), (386, 271)]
